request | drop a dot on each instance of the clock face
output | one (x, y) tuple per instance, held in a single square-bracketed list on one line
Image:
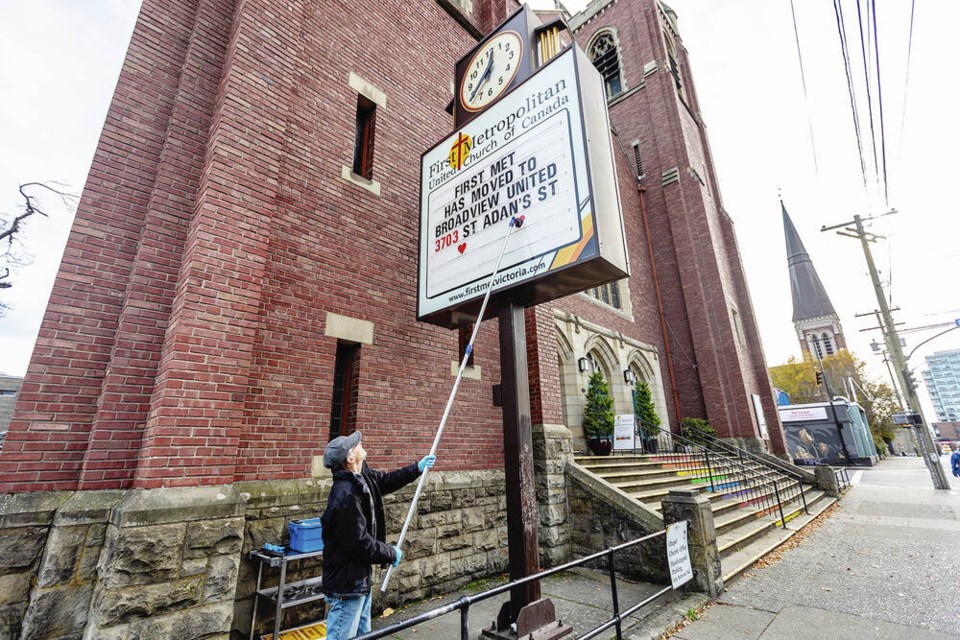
[(491, 70)]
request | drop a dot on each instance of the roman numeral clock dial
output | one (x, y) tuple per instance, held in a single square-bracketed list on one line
[(491, 70)]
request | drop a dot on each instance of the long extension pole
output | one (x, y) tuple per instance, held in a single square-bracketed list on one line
[(515, 223)]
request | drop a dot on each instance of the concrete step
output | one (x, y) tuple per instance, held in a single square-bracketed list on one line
[(741, 547), (741, 559)]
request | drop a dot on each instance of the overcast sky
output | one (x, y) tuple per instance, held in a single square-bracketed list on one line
[(59, 61)]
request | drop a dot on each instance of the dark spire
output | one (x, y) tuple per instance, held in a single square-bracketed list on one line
[(810, 299)]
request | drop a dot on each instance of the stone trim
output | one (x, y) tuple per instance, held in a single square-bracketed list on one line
[(347, 174), (146, 507), (617, 498), (30, 509), (470, 373), (348, 329), (367, 90)]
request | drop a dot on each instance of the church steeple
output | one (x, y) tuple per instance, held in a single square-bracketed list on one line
[(814, 317)]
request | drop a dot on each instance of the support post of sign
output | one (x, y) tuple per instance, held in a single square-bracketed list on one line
[(525, 609), (518, 457)]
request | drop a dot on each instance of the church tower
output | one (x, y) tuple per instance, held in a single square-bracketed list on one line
[(818, 326)]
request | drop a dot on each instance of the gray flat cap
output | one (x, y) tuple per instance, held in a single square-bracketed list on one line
[(338, 449)]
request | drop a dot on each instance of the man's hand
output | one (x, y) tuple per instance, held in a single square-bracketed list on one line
[(396, 548), (427, 462)]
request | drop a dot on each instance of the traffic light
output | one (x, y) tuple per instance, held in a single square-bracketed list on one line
[(819, 378), (910, 379)]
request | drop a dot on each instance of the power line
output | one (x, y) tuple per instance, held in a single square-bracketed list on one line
[(803, 79), (864, 45), (906, 82), (883, 142), (844, 50)]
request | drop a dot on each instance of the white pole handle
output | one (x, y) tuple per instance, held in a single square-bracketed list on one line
[(515, 223)]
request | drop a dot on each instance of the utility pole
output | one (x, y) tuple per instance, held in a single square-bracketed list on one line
[(930, 456)]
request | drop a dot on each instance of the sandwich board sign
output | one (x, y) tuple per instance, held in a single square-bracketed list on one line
[(624, 433), (543, 152)]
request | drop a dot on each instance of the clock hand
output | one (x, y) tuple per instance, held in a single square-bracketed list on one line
[(484, 77)]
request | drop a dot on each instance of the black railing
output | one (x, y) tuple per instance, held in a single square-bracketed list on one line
[(843, 478), (721, 469), (463, 604)]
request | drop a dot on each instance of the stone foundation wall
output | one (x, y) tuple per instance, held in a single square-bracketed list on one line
[(172, 563), (602, 516), (25, 521)]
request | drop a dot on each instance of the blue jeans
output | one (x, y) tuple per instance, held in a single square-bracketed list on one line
[(348, 617)]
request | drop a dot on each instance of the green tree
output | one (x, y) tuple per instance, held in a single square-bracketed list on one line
[(799, 381), (598, 412), (644, 409)]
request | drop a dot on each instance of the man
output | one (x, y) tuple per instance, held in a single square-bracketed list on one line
[(354, 532), (955, 462)]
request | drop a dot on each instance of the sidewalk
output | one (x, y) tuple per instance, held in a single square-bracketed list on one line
[(886, 565)]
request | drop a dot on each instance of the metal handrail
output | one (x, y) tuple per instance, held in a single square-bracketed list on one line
[(843, 478), (752, 474), (464, 603)]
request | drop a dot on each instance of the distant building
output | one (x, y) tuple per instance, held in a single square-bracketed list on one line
[(835, 433), (946, 430), (943, 384), (817, 324), (9, 387)]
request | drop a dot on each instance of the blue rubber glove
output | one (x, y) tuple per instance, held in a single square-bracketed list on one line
[(399, 555), (427, 462)]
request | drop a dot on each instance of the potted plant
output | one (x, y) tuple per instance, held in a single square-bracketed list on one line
[(647, 417), (598, 416)]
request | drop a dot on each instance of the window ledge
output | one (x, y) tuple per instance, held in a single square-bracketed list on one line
[(370, 185), (470, 373)]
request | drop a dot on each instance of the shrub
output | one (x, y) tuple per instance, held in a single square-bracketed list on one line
[(644, 410), (698, 430)]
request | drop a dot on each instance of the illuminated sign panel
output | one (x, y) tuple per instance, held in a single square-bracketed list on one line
[(542, 152)]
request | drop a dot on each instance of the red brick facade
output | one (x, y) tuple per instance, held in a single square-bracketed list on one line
[(185, 340)]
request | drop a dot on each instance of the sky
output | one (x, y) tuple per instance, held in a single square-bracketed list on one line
[(59, 62)]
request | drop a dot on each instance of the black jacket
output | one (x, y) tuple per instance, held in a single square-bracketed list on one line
[(349, 544)]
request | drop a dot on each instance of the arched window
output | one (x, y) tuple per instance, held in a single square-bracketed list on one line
[(605, 56), (828, 343), (674, 66)]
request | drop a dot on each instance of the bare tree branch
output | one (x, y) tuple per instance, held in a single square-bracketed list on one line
[(12, 253)]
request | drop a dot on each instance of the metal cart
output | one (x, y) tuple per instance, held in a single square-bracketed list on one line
[(283, 595)]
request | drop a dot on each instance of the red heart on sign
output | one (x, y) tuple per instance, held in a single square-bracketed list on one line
[(461, 248)]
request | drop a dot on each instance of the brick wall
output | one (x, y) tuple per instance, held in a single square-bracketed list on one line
[(697, 259), (186, 338)]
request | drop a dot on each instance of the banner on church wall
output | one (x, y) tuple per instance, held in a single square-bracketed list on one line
[(542, 152)]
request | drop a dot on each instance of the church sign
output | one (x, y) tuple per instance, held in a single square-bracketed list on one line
[(543, 152)]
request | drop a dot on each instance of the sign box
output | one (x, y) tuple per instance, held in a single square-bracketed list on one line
[(678, 554), (543, 152), (799, 415)]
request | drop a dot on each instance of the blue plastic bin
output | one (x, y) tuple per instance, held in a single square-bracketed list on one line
[(306, 535)]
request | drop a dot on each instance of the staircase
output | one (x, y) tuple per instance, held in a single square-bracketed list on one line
[(756, 506)]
